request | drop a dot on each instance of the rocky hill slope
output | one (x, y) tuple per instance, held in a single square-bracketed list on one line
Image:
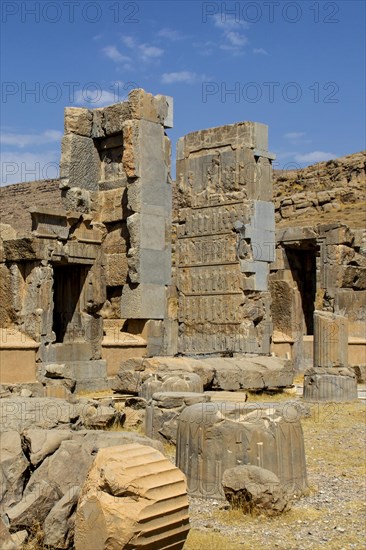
[(324, 192), (16, 199)]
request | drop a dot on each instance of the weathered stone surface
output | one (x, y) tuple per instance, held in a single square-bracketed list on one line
[(23, 413), (78, 121), (162, 413), (58, 526), (34, 506), (13, 466), (254, 490), (232, 373), (226, 229), (80, 162), (175, 382), (330, 340), (64, 469), (213, 437), (330, 384), (141, 500), (7, 542), (42, 443), (116, 269)]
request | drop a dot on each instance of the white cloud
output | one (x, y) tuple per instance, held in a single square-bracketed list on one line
[(180, 76), (229, 21), (129, 41), (96, 98), (231, 29), (171, 34), (113, 53), (261, 51), (148, 52), (25, 166), (314, 156), (294, 135), (145, 52), (236, 39), (24, 140)]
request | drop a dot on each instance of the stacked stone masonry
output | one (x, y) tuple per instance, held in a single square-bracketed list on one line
[(94, 274)]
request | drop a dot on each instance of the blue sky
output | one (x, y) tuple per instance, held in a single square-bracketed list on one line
[(297, 66)]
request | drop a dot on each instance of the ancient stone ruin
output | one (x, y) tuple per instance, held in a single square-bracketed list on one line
[(173, 298)]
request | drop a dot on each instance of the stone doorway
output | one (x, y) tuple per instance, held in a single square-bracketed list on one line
[(68, 283), (302, 263)]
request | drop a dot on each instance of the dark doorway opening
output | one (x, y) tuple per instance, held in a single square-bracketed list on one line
[(302, 262), (68, 281)]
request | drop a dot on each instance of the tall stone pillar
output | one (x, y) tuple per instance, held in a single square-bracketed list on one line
[(330, 379)]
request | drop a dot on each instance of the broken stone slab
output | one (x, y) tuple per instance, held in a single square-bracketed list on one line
[(222, 373), (255, 490), (34, 506), (13, 467), (10, 541), (330, 384), (42, 443), (133, 497), (64, 469), (48, 413), (165, 382), (58, 525), (213, 437), (162, 413)]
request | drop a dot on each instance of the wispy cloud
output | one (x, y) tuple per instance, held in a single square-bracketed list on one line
[(294, 135), (205, 48), (145, 52), (25, 140), (150, 52), (227, 22), (187, 77), (171, 34), (314, 156), (232, 31), (99, 98), (115, 55), (260, 51)]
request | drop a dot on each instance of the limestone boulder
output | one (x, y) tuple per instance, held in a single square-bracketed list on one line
[(11, 541), (58, 525), (34, 506), (133, 497), (171, 382), (42, 443), (21, 414), (255, 490), (13, 466), (64, 469)]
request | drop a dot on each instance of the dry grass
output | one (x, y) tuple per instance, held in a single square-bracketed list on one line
[(271, 396), (94, 394), (35, 540), (337, 419), (199, 540)]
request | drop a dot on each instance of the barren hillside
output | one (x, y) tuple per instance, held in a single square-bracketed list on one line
[(321, 193)]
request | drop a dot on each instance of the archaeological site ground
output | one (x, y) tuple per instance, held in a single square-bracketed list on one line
[(182, 362)]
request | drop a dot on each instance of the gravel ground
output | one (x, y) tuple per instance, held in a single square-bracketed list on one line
[(331, 516)]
